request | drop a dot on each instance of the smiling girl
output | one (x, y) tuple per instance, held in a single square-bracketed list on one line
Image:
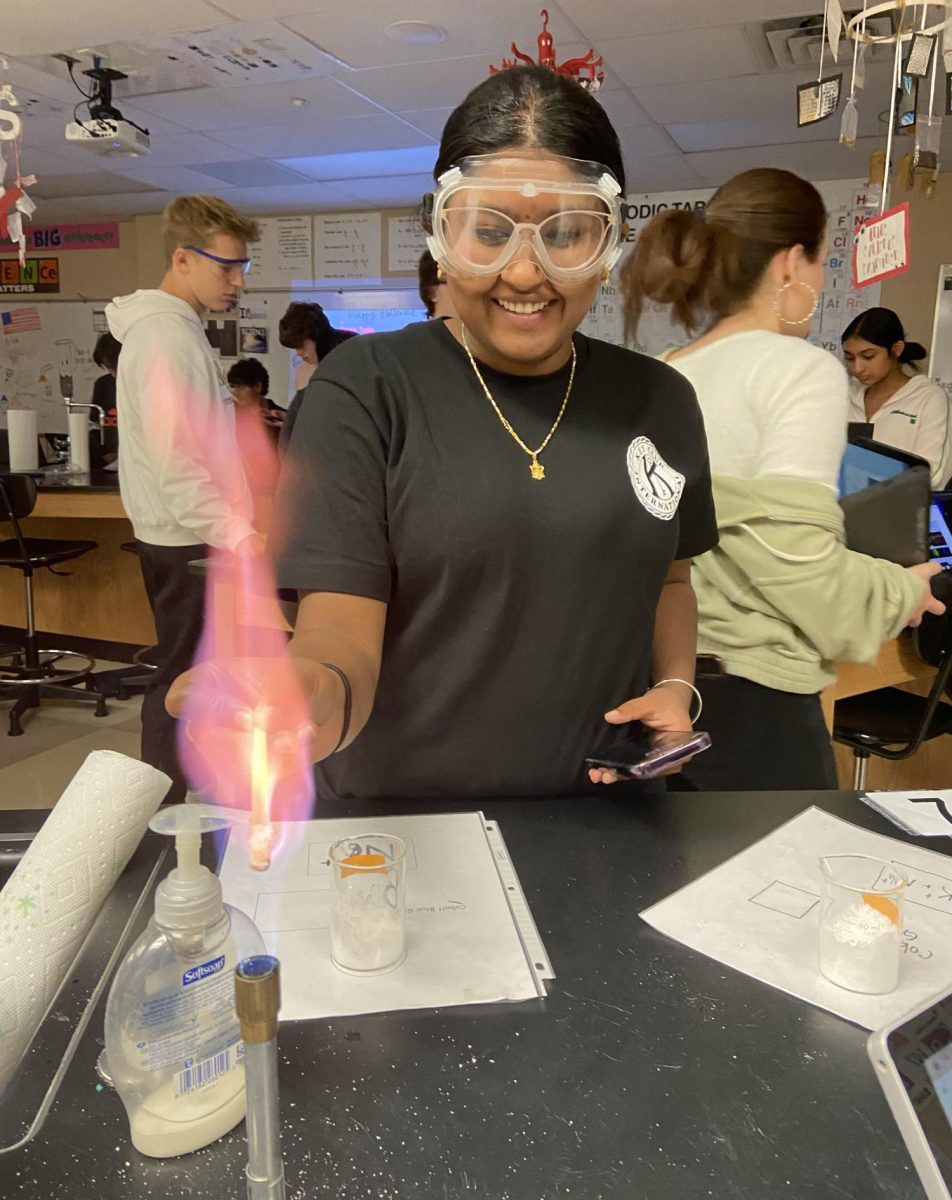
[(489, 520)]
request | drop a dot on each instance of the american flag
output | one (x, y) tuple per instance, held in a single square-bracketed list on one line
[(23, 320)]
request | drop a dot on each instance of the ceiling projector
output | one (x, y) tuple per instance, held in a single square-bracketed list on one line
[(105, 131), (112, 138)]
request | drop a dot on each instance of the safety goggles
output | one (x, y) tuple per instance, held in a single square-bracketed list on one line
[(227, 264), (488, 210)]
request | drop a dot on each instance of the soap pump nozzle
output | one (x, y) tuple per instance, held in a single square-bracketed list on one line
[(190, 896)]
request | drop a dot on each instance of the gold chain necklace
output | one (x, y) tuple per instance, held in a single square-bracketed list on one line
[(536, 469)]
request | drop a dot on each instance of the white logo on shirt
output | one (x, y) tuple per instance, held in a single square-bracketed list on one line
[(657, 485)]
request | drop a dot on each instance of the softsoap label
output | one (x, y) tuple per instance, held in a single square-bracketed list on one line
[(196, 974)]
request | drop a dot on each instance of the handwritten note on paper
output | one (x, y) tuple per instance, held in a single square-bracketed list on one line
[(759, 912), (927, 813), (881, 247), (282, 255), (406, 241), (464, 942), (347, 246)]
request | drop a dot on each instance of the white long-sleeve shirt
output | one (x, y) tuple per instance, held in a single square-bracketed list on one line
[(180, 473), (917, 418)]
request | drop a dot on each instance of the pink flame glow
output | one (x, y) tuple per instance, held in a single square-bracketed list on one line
[(245, 733)]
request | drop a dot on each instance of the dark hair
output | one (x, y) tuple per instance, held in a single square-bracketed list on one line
[(531, 107), (429, 279), (712, 261), (882, 327), (248, 372), (106, 352), (304, 320)]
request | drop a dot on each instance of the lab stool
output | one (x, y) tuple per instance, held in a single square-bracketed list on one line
[(893, 724), (26, 671)]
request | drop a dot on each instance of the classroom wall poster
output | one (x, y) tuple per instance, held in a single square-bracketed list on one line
[(103, 236), (881, 247), (847, 205), (35, 276)]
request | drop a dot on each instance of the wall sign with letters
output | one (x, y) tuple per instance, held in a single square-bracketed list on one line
[(33, 276)]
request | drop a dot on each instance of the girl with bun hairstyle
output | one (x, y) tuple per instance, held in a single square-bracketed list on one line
[(906, 410), (781, 600)]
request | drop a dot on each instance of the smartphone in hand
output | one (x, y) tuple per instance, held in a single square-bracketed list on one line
[(651, 752)]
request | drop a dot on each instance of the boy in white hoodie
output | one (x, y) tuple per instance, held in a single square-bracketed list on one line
[(180, 472)]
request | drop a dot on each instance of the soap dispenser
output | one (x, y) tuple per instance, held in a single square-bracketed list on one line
[(173, 1043)]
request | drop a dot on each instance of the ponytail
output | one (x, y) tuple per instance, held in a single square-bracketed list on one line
[(707, 265), (912, 354), (681, 260)]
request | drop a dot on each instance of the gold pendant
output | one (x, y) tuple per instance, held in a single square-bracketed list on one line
[(536, 469)]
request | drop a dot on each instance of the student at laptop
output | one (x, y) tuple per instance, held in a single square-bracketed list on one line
[(887, 389), (780, 600)]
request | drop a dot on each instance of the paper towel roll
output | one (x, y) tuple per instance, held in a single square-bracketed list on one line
[(22, 434), (58, 887), (79, 441)]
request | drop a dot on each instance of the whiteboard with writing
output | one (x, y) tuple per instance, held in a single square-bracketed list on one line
[(283, 255), (347, 245), (40, 344)]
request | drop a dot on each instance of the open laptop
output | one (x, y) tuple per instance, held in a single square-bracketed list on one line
[(913, 1061), (884, 494)]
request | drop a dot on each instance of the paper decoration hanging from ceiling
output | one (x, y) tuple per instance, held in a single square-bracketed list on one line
[(15, 204)]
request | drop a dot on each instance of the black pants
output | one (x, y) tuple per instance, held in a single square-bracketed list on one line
[(177, 598), (762, 740)]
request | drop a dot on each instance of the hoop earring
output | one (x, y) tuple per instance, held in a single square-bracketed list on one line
[(803, 320)]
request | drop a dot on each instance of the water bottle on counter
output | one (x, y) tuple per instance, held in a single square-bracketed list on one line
[(173, 1043)]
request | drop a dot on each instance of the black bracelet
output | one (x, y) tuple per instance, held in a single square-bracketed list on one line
[(348, 699)]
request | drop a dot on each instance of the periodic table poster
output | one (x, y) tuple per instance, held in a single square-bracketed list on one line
[(657, 332)]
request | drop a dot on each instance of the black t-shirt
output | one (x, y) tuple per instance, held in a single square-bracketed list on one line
[(520, 611)]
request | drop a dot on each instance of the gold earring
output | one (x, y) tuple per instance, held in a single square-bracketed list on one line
[(440, 273), (606, 274)]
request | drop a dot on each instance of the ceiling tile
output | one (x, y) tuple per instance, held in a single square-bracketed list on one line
[(602, 19), (662, 57), (660, 174), (90, 183), (392, 191), (50, 26), (123, 207), (182, 180), (356, 31), (623, 110), (182, 150), (648, 142), (728, 135), (409, 87), (253, 172), (368, 165), (350, 134), (262, 200), (814, 160), (769, 96), (428, 120), (209, 109)]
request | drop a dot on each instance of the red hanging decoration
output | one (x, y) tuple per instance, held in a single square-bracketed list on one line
[(585, 71)]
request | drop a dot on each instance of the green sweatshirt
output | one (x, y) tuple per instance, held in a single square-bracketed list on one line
[(781, 600)]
